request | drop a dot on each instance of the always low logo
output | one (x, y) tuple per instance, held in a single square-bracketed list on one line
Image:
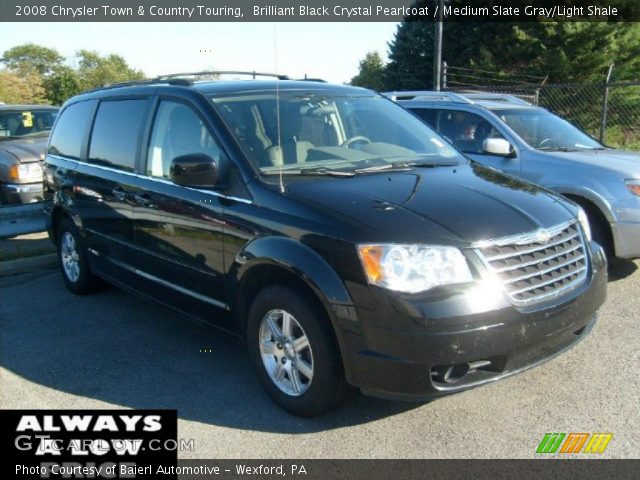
[(88, 443), (574, 442)]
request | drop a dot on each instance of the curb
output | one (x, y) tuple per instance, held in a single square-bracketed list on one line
[(28, 265)]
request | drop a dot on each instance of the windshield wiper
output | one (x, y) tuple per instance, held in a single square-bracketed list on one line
[(380, 168), (407, 165), (558, 149), (311, 171)]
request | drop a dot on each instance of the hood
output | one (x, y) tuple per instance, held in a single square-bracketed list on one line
[(25, 149), (627, 163), (442, 205)]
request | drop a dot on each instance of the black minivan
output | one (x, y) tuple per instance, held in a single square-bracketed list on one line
[(344, 239)]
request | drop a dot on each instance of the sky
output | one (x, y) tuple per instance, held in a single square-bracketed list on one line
[(330, 51)]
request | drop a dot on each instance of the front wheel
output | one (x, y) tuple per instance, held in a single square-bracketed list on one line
[(295, 353), (72, 259)]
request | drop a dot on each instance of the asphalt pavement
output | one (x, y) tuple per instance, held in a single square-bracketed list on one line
[(114, 350)]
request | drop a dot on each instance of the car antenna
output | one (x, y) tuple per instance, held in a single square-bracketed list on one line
[(281, 153)]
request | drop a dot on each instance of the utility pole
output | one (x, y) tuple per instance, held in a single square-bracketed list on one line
[(437, 64), (605, 105)]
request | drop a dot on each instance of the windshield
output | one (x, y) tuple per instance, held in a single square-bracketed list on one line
[(324, 131), (546, 131), (26, 123)]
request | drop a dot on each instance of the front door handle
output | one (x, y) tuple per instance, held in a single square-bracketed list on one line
[(119, 193), (142, 199)]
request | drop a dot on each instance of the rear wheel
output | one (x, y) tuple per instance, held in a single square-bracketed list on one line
[(295, 352), (72, 259)]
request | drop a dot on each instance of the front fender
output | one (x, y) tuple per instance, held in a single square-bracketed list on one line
[(588, 194), (296, 258)]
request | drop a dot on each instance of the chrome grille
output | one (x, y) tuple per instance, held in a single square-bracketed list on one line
[(539, 265)]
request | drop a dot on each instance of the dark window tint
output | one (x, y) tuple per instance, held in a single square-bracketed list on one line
[(66, 139), (116, 131), (467, 131), (177, 131), (429, 116)]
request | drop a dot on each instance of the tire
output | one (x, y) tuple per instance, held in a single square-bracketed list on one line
[(72, 260), (304, 380), (600, 231)]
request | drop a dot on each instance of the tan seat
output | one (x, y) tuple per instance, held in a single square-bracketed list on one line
[(291, 150)]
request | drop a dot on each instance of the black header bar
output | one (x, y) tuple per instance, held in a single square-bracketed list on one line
[(317, 10)]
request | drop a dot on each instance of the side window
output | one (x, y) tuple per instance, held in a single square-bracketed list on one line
[(467, 131), (177, 130), (430, 117), (116, 132), (66, 139)]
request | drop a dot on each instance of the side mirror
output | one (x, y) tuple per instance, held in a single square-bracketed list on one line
[(497, 146), (194, 170)]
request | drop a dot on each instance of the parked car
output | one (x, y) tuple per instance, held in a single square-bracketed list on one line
[(24, 130), (510, 134), (343, 238)]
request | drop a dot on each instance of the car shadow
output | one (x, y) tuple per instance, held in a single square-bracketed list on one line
[(620, 269), (117, 348)]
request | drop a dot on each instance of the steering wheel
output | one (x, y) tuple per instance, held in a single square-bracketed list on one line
[(350, 141), (543, 142)]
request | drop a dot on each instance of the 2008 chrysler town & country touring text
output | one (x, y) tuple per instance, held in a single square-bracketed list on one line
[(349, 243)]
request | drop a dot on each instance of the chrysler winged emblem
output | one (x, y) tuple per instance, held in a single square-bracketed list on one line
[(542, 236)]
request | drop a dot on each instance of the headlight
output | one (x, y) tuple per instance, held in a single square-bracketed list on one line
[(25, 171), (584, 221), (634, 186), (413, 268)]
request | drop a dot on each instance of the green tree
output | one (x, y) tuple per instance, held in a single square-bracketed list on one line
[(37, 74), (95, 70), (371, 73), (62, 84), (561, 51), (31, 58), (410, 64), (17, 88)]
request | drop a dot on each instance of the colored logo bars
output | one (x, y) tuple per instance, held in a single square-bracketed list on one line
[(573, 443)]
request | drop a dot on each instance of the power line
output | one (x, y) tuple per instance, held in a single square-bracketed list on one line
[(487, 79), (493, 72)]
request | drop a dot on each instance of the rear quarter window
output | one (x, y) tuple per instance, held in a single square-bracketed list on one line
[(116, 133), (428, 116), (67, 136)]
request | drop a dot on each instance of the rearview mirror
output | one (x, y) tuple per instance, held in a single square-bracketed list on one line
[(497, 146), (194, 170)]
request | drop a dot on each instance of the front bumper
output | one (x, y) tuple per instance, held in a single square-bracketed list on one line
[(626, 238), (19, 193), (410, 348)]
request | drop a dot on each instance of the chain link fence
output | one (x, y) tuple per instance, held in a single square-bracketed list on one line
[(607, 111)]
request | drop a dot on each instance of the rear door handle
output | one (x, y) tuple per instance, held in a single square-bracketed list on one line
[(142, 199), (119, 193)]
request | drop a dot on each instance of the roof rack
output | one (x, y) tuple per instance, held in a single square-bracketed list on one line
[(148, 81), (178, 79), (427, 95), (253, 74), (307, 79), (497, 97)]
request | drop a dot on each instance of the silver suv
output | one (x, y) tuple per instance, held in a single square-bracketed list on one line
[(511, 135)]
